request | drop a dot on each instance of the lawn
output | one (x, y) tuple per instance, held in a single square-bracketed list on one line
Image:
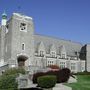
[(83, 83)]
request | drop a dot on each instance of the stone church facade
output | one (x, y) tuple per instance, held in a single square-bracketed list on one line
[(20, 46)]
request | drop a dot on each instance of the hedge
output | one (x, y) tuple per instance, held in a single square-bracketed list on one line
[(61, 75), (8, 79), (47, 81), (8, 82)]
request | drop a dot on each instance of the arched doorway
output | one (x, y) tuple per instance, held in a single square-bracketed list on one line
[(21, 60)]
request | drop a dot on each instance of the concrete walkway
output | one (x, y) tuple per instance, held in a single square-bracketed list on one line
[(61, 87)]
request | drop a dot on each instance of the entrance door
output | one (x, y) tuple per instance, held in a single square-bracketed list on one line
[(21, 60)]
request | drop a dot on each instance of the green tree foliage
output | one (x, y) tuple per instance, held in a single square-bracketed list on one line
[(8, 82), (47, 81), (8, 79), (14, 71)]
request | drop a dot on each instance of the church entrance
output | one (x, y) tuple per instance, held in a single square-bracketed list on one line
[(21, 60)]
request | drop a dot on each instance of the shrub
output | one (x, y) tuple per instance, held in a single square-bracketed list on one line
[(61, 75), (13, 71), (53, 73), (36, 75), (64, 75), (47, 81), (8, 79), (8, 82)]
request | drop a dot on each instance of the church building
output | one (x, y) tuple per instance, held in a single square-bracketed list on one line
[(21, 47)]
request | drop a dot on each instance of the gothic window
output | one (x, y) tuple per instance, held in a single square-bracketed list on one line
[(41, 53), (73, 66), (23, 27), (50, 63), (62, 65), (63, 55), (7, 28), (53, 54), (23, 46)]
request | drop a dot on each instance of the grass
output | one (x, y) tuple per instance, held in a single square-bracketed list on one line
[(83, 83)]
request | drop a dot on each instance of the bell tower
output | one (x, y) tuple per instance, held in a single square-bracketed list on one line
[(20, 41), (2, 37)]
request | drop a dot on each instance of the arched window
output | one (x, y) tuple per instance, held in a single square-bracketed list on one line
[(23, 27), (63, 56), (53, 54), (41, 53), (23, 46)]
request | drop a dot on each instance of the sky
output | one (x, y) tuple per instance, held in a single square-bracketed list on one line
[(64, 19)]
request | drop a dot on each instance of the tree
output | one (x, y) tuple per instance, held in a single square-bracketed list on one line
[(64, 75), (8, 82), (8, 79), (13, 71)]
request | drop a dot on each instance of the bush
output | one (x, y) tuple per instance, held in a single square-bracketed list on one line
[(61, 75), (8, 82), (36, 75), (8, 79), (64, 75), (13, 71), (56, 73), (47, 81)]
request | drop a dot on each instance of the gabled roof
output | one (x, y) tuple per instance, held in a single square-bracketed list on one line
[(70, 47), (52, 47)]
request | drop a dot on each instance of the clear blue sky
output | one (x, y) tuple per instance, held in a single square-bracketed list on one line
[(65, 19)]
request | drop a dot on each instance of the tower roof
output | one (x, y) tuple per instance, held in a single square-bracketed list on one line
[(4, 16)]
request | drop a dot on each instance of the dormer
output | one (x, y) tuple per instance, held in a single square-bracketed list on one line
[(41, 49), (63, 51), (53, 51)]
